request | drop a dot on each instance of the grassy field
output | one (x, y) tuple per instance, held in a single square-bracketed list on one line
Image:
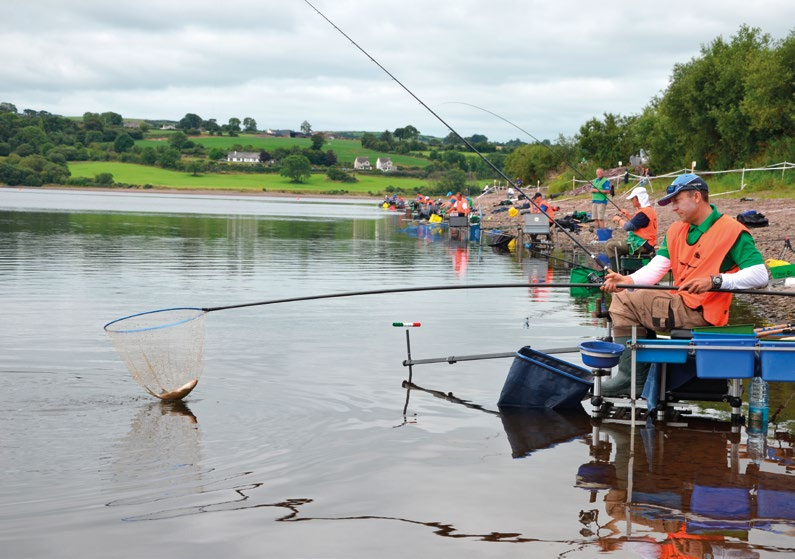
[(128, 173), (346, 150)]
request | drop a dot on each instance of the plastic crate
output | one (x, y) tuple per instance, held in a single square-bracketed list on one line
[(777, 366), (673, 351), (727, 363)]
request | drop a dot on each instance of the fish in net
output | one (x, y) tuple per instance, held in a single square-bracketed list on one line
[(163, 349)]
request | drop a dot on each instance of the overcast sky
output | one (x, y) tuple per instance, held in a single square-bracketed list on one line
[(547, 66)]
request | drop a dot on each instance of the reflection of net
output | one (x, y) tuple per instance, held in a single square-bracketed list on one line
[(163, 349)]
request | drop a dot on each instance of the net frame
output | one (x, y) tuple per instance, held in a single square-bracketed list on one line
[(163, 349)]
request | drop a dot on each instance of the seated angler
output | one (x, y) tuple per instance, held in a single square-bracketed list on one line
[(705, 251), (641, 229)]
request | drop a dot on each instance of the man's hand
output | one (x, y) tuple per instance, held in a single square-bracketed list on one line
[(616, 218), (613, 279), (697, 285)]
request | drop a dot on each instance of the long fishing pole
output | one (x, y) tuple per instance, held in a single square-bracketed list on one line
[(466, 142), (556, 154), (482, 286)]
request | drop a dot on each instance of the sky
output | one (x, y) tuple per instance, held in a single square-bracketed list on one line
[(545, 66)]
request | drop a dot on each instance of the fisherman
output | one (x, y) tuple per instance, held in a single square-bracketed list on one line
[(641, 228), (460, 206), (600, 188), (539, 205), (705, 250)]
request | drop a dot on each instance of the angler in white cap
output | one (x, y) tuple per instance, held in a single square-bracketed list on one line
[(641, 228)]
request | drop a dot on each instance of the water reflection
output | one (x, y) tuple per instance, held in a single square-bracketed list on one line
[(160, 457), (670, 491)]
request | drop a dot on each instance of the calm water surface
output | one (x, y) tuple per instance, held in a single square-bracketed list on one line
[(295, 443)]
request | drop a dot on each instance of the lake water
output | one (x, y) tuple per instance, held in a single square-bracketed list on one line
[(300, 440)]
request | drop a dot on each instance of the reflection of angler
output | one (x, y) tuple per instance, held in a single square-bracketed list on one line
[(685, 483)]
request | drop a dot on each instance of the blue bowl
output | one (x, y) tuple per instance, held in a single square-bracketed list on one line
[(600, 355)]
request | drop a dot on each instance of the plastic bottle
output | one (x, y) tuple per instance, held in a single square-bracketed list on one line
[(757, 406)]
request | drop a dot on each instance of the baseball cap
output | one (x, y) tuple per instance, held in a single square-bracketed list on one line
[(681, 183)]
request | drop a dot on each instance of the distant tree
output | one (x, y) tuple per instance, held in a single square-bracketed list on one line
[(211, 126), (123, 143), (317, 141), (216, 154), (451, 139), (196, 167), (8, 108), (92, 121), (368, 140), (178, 140), (264, 156), (105, 179), (190, 121), (330, 158), (407, 133), (478, 139), (296, 167), (112, 119), (454, 180), (168, 157), (306, 128), (148, 156), (234, 124), (249, 124)]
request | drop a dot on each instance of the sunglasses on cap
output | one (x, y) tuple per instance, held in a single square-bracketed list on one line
[(681, 188)]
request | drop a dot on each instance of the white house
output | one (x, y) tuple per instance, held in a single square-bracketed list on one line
[(384, 164), (243, 157), (361, 163)]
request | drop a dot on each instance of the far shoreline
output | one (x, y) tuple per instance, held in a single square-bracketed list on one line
[(200, 192)]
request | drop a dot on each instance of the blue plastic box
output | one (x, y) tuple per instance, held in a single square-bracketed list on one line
[(725, 363), (778, 366), (675, 351)]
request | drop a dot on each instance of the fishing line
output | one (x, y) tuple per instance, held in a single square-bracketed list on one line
[(466, 142), (566, 161)]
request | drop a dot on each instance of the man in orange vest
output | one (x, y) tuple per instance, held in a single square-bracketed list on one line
[(641, 228), (539, 205), (459, 206), (705, 251)]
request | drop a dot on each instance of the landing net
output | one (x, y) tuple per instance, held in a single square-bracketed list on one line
[(163, 349)]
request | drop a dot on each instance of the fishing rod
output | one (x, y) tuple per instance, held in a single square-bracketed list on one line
[(460, 137), (525, 285), (566, 161)]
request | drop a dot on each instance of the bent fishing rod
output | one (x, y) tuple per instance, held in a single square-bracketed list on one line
[(592, 285), (466, 142), (566, 161)]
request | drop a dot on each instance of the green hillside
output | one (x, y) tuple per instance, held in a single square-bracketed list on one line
[(346, 150), (132, 174)]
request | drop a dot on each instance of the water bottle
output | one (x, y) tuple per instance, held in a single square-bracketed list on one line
[(757, 406)]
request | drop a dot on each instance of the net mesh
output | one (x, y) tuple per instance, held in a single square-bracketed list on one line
[(163, 349)]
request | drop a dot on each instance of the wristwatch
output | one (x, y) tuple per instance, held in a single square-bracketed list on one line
[(717, 281)]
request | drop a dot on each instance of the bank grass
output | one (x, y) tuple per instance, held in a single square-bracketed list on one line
[(143, 176), (345, 150)]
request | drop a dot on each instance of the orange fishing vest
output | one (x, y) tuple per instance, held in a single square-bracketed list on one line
[(649, 233), (702, 260)]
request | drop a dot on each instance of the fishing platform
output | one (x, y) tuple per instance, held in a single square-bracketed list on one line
[(706, 364)]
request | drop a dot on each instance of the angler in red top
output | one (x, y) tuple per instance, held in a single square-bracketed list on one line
[(705, 250)]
